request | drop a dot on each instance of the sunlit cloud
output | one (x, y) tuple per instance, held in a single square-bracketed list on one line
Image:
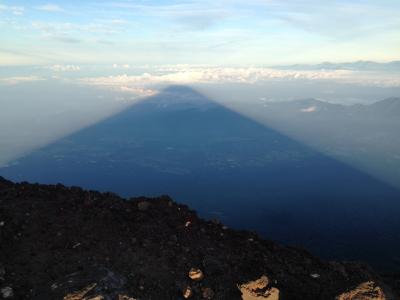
[(187, 75), (309, 109), (140, 92), (179, 75)]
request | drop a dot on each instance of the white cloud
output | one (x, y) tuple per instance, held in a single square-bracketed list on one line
[(18, 79), (193, 15), (64, 68), (118, 21), (186, 75), (50, 7), (309, 109), (138, 91), (123, 66), (15, 10), (149, 82)]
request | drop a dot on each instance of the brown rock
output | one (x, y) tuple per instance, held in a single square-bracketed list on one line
[(365, 291), (81, 295), (196, 274), (259, 290), (187, 292)]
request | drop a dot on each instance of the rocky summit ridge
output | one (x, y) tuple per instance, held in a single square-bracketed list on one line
[(60, 242)]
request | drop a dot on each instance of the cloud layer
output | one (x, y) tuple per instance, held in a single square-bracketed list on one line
[(149, 82), (19, 79)]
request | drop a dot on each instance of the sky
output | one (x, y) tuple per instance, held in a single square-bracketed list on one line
[(67, 64), (212, 32)]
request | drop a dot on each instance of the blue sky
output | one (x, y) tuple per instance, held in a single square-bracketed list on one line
[(217, 32)]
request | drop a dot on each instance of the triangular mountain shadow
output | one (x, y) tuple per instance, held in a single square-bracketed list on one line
[(227, 166)]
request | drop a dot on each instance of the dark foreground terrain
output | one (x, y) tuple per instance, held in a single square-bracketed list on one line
[(60, 242)]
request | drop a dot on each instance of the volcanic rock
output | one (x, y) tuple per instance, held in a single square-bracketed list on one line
[(124, 252)]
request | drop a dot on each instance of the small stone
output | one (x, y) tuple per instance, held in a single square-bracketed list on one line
[(7, 292), (196, 274), (143, 206), (315, 275), (208, 293), (187, 292), (2, 223)]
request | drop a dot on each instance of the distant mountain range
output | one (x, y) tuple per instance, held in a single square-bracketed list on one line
[(365, 136), (354, 66), (389, 107)]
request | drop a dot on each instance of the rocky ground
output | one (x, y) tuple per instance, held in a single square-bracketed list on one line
[(60, 242)]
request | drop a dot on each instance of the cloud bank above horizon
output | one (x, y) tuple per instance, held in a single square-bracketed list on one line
[(132, 82)]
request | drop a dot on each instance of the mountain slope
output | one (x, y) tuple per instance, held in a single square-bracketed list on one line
[(387, 107), (62, 242)]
